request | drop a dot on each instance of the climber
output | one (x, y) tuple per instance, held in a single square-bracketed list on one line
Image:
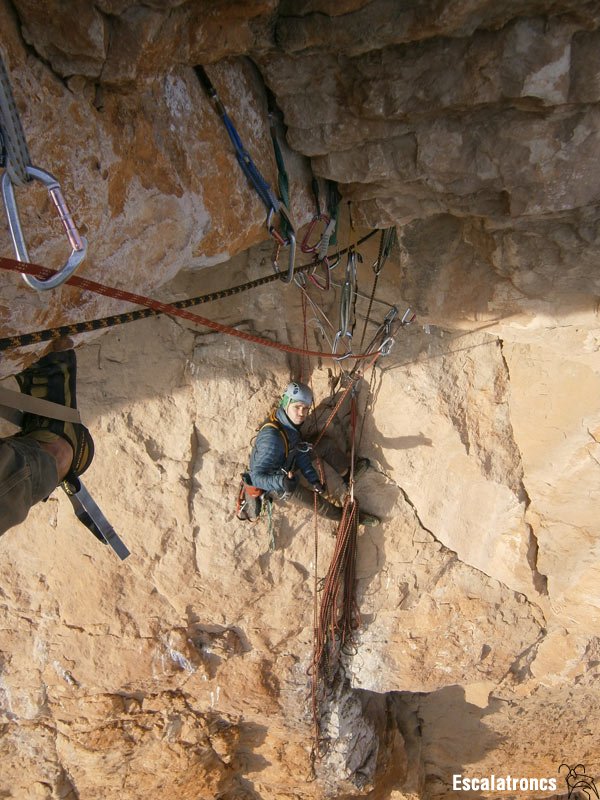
[(279, 454), (47, 451)]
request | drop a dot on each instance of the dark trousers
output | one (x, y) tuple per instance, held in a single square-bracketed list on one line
[(305, 498), (27, 475)]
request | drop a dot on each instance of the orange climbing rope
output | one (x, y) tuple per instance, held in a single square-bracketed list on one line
[(339, 617), (38, 271)]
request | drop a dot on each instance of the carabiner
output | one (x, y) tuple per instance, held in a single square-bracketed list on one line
[(391, 315), (304, 447), (405, 318), (292, 258), (77, 242), (385, 348), (338, 337), (289, 242), (333, 265), (306, 247), (324, 286)]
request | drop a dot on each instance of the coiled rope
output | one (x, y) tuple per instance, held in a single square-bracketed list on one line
[(338, 618)]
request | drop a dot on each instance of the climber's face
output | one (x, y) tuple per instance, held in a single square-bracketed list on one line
[(297, 412)]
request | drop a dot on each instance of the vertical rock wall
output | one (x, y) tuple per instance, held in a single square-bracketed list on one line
[(183, 672)]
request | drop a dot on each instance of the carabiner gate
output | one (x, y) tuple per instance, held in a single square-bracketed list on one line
[(289, 242), (77, 242), (306, 246)]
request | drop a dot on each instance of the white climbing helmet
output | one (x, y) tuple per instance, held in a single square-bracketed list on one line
[(296, 393)]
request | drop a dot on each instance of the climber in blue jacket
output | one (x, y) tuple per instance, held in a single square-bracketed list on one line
[(280, 453)]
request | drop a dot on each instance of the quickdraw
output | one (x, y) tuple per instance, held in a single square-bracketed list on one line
[(347, 297), (314, 247), (271, 202), (19, 172), (319, 246)]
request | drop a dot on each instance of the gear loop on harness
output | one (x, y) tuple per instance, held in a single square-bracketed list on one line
[(78, 243)]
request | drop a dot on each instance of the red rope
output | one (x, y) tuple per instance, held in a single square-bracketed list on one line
[(337, 620), (343, 396), (305, 369), (43, 273), (339, 615)]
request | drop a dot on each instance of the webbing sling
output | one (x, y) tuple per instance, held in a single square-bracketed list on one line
[(89, 514), (35, 405)]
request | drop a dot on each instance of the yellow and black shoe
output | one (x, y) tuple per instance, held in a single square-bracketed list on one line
[(53, 378)]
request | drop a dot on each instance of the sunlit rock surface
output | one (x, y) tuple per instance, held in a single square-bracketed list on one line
[(183, 672)]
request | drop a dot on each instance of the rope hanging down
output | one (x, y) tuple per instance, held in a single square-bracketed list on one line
[(165, 308), (339, 617), (386, 243)]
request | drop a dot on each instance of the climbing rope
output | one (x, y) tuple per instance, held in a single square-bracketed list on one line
[(386, 243), (165, 308), (19, 171), (338, 617), (48, 334)]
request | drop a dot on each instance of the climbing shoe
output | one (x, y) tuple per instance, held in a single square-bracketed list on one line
[(369, 520), (53, 378)]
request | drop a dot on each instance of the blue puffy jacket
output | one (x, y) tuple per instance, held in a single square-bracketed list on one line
[(268, 456)]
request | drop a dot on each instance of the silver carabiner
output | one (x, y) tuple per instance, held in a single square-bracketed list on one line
[(391, 316), (408, 317), (77, 242), (386, 346), (338, 338), (289, 242)]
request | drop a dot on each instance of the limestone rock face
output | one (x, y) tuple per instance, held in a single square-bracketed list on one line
[(184, 672)]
